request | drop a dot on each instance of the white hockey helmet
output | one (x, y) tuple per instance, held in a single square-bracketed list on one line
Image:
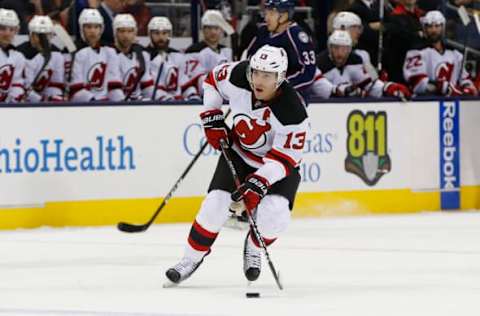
[(344, 20), (160, 23), (433, 18), (340, 38), (212, 18), (40, 24), (215, 18), (90, 16), (124, 21), (9, 18), (269, 59)]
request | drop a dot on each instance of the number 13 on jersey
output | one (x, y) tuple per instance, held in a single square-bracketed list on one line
[(295, 141)]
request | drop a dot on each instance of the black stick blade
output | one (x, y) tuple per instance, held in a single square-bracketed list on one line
[(131, 228)]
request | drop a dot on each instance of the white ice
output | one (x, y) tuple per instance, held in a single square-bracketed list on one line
[(409, 265)]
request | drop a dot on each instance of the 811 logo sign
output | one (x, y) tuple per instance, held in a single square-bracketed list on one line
[(367, 155)]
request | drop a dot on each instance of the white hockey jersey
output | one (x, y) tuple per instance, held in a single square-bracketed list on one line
[(173, 75), (201, 59), (321, 87), (95, 75), (268, 136), (50, 84), (12, 66), (427, 65), (330, 79), (364, 55), (129, 64)]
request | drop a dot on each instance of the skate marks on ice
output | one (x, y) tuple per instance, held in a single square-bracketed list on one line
[(330, 267)]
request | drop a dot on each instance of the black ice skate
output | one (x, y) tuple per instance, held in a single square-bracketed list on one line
[(252, 260)]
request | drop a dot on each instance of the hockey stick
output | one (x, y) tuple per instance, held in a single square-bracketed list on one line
[(157, 80), (47, 56), (251, 220), (133, 228), (64, 37), (465, 18), (68, 43), (380, 36), (141, 71)]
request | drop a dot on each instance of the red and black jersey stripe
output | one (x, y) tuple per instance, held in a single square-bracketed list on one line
[(146, 84), (201, 239), (287, 162), (112, 85), (211, 80)]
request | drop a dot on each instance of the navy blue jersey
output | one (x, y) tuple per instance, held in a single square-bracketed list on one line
[(299, 48)]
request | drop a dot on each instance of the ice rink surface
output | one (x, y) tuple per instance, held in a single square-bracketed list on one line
[(424, 264)]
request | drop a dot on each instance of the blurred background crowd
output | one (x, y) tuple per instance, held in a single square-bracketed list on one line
[(387, 32)]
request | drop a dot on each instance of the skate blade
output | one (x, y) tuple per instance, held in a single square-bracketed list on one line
[(169, 284)]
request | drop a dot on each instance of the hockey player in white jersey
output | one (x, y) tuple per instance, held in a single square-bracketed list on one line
[(95, 70), (12, 63), (434, 68), (267, 139), (134, 60), (168, 65), (44, 71), (349, 21), (344, 74), (203, 56)]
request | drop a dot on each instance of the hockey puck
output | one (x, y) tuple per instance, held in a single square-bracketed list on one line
[(253, 294)]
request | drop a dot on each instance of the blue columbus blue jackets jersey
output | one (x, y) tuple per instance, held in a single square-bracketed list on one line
[(299, 48)]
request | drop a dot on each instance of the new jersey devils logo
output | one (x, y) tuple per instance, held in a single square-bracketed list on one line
[(172, 79), (96, 75), (444, 71), (6, 75), (131, 79), (252, 132), (43, 80)]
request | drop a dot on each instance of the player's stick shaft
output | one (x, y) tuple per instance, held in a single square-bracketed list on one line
[(141, 71), (380, 35), (465, 18), (225, 148), (157, 80)]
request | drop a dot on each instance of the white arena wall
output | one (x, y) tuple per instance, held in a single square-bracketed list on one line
[(96, 164)]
